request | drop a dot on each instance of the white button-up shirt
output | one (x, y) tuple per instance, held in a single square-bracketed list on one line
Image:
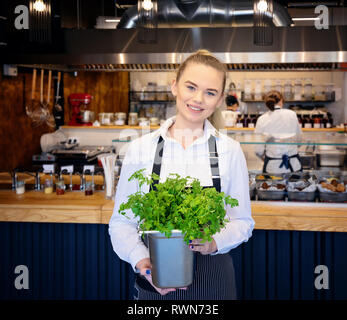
[(194, 162), (283, 126)]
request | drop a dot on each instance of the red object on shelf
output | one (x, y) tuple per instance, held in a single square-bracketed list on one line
[(78, 102)]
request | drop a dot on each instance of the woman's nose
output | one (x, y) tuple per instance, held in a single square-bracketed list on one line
[(198, 96)]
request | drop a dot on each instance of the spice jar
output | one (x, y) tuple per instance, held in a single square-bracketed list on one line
[(132, 119), (20, 187), (154, 121), (120, 118), (60, 187), (88, 189), (48, 186)]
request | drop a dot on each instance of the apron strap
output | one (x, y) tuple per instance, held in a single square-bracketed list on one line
[(157, 162), (213, 155)]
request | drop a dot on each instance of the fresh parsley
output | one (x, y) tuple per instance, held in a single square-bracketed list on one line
[(178, 203)]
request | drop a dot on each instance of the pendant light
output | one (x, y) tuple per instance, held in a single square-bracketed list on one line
[(263, 25)]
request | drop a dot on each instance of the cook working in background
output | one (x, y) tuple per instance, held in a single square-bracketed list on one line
[(278, 125)]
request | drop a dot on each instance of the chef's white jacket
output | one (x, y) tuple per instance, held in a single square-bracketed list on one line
[(193, 162), (280, 125)]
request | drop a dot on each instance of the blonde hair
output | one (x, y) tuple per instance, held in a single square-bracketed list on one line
[(206, 58)]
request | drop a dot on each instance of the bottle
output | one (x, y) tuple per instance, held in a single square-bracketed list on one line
[(299, 120), (316, 122), (330, 120), (252, 122), (303, 122), (324, 121), (311, 121), (308, 124), (246, 121), (239, 122)]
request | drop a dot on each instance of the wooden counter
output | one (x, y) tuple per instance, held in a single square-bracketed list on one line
[(75, 207)]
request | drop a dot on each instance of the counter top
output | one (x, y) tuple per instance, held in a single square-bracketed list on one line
[(157, 127), (75, 207)]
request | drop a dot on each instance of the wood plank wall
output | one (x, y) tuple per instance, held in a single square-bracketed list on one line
[(110, 90), (20, 139)]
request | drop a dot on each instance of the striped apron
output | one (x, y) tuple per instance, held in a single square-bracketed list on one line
[(214, 277)]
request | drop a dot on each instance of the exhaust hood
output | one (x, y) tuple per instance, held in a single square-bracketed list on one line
[(293, 48)]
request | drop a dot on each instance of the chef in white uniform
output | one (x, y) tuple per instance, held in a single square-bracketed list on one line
[(278, 125)]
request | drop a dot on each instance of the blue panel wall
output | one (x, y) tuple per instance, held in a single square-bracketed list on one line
[(76, 261)]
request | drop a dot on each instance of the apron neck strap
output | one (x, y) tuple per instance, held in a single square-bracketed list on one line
[(213, 155)]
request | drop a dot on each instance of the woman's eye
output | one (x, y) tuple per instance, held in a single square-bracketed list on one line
[(190, 88), (211, 94)]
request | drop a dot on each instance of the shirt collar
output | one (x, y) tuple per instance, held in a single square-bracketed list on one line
[(209, 129)]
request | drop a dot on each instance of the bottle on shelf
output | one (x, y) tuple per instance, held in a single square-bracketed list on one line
[(299, 120), (311, 121), (252, 121), (239, 122), (246, 121), (316, 121), (307, 123), (324, 121), (330, 120)]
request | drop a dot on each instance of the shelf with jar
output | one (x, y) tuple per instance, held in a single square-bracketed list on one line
[(150, 97)]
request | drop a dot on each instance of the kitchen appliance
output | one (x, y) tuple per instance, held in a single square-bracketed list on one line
[(79, 103), (80, 155)]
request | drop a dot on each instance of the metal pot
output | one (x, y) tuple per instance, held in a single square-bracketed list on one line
[(87, 116)]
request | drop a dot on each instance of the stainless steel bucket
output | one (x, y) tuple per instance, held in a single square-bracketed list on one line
[(172, 261)]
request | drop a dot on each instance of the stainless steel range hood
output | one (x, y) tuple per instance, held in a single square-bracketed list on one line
[(184, 26), (120, 49)]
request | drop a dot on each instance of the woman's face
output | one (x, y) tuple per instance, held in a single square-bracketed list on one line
[(198, 92)]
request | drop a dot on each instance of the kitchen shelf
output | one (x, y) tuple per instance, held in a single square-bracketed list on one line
[(152, 101), (293, 101)]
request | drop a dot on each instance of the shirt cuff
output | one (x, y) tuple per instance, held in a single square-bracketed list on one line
[(139, 253)]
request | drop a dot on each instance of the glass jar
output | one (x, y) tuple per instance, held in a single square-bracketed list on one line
[(267, 86), (143, 122), (257, 90), (298, 90), (20, 187), (278, 86), (133, 119), (287, 92), (248, 90), (308, 89), (48, 186), (106, 119), (119, 119), (60, 187), (318, 93), (88, 189), (154, 121), (329, 91), (151, 91)]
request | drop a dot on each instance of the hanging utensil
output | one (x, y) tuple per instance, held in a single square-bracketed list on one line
[(57, 106), (49, 119), (29, 108), (38, 111)]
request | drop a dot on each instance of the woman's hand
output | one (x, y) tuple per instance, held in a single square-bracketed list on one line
[(145, 268), (203, 247)]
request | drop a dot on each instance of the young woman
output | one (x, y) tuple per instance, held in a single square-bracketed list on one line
[(282, 125), (189, 145)]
